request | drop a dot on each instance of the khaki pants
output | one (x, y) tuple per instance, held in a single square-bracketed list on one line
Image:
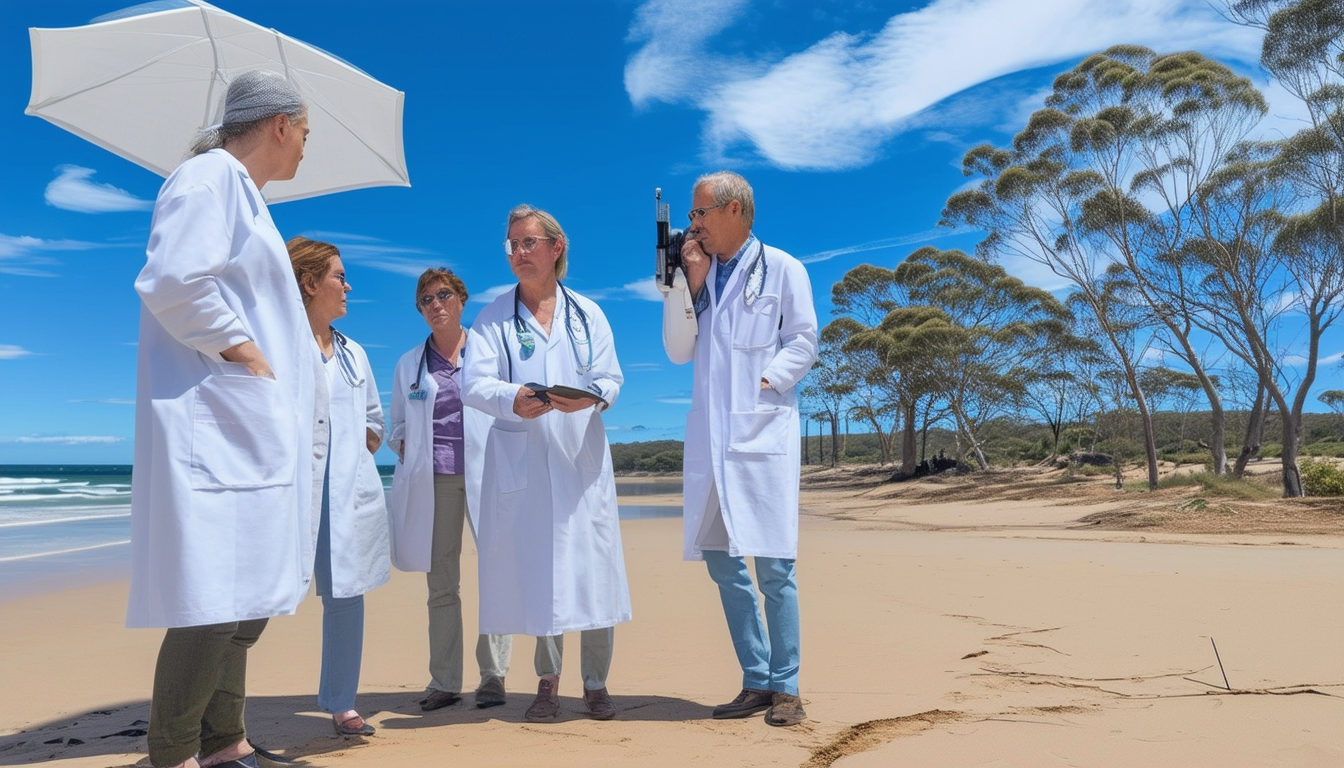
[(445, 598)]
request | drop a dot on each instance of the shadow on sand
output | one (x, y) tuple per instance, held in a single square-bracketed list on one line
[(291, 726)]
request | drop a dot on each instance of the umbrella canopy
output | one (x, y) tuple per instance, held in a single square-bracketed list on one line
[(141, 83)]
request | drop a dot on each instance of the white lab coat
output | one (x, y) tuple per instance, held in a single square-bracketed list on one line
[(411, 504), (742, 440), (549, 536), (360, 557), (223, 514)]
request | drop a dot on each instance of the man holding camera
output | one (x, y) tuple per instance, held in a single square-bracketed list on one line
[(753, 336)]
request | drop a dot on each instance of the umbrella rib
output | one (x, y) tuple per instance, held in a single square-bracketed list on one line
[(208, 118)]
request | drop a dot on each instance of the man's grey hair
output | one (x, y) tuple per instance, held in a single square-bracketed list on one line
[(727, 186), (253, 97)]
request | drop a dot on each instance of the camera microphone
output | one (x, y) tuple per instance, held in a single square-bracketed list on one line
[(667, 251)]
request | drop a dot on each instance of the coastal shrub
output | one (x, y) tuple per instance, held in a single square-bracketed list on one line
[(1321, 478), (1271, 451), (1331, 448), (1221, 486)]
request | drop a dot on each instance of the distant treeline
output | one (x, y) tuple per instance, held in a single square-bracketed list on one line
[(1009, 443)]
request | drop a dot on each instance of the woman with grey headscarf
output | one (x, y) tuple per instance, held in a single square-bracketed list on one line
[(230, 420)]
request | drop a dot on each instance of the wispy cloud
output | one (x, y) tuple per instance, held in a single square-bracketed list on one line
[(107, 401), (642, 367), (63, 440), (878, 245), (681, 398), (1298, 361), (26, 256), (11, 351), (376, 253), (490, 294), (75, 190), (834, 105)]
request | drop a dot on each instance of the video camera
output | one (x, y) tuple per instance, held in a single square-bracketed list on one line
[(668, 249)]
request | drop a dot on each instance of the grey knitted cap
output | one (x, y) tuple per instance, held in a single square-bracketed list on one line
[(257, 94)]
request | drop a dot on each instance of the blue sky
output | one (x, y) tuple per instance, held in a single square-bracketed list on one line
[(849, 118)]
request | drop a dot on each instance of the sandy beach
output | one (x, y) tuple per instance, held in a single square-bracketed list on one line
[(941, 627)]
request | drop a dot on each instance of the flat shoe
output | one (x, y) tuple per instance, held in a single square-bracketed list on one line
[(352, 726), (547, 704), (246, 761), (785, 710), (490, 694), (600, 705), (748, 702), (438, 700)]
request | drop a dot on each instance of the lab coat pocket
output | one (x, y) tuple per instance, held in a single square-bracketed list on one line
[(506, 457), (240, 435), (758, 325), (764, 430)]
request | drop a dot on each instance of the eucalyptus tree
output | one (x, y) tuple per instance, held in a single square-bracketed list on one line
[(904, 346), (1032, 202), (1056, 388), (1000, 333), (1302, 242), (828, 386), (1334, 400)]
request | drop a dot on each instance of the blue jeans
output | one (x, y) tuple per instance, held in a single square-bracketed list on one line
[(342, 626), (769, 659)]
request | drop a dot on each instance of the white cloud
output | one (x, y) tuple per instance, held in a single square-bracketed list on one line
[(878, 245), (375, 253), (833, 105), (107, 401), (682, 399), (25, 256), (11, 351), (642, 367), (74, 190), (1297, 361), (63, 440), (490, 294)]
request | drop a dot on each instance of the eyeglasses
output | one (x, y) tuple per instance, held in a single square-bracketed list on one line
[(340, 276), (698, 212), (442, 297), (526, 245)]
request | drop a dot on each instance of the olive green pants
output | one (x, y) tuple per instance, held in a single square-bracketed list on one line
[(199, 690)]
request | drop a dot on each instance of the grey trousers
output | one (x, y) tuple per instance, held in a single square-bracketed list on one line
[(595, 647), (445, 597), (199, 690)]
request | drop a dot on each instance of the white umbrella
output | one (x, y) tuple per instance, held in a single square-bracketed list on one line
[(141, 82)]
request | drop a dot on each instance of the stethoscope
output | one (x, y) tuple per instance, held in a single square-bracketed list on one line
[(754, 280), (416, 393), (344, 360), (527, 344)]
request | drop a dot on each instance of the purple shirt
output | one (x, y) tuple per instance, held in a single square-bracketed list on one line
[(448, 454)]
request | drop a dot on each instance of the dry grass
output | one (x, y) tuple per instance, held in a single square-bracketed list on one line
[(1185, 502)]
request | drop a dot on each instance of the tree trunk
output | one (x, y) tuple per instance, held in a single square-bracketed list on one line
[(1255, 432), (835, 440), (908, 441), (1149, 440), (965, 425)]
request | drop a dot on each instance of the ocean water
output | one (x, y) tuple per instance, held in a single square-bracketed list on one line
[(59, 520)]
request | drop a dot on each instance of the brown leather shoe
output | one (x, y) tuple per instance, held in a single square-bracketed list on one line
[(490, 694), (547, 704), (600, 705), (436, 699), (786, 709), (748, 702)]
